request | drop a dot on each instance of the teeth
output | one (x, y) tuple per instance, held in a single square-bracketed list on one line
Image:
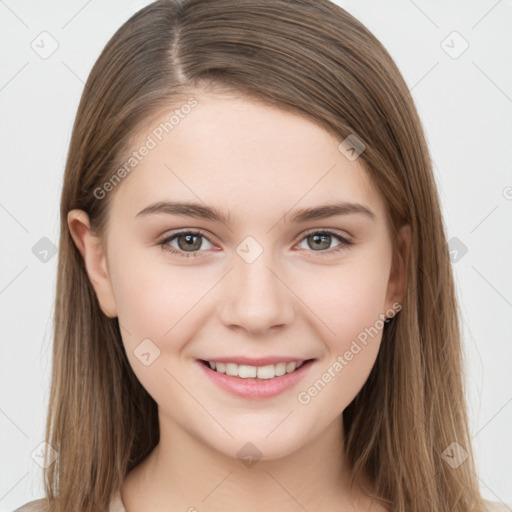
[(231, 369), (280, 369), (266, 372), (290, 367), (245, 371), (261, 372)]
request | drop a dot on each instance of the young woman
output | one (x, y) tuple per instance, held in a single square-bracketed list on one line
[(255, 305)]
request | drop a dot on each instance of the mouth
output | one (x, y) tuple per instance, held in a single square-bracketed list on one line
[(245, 371), (255, 382)]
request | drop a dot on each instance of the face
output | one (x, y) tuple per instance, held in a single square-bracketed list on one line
[(265, 280)]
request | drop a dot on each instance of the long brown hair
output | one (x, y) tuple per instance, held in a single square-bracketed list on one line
[(313, 58)]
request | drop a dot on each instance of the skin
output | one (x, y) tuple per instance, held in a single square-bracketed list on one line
[(259, 163)]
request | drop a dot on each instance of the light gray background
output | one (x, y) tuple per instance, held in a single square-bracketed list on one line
[(466, 107)]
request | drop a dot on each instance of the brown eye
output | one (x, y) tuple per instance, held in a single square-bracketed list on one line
[(320, 241), (187, 242)]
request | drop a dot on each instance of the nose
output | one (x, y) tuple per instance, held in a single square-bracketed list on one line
[(257, 296)]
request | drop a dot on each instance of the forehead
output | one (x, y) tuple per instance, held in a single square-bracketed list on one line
[(233, 152)]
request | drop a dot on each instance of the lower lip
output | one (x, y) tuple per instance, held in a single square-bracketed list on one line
[(256, 388)]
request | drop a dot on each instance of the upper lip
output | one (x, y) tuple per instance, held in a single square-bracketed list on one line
[(256, 361)]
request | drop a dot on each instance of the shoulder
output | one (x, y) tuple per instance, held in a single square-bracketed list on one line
[(494, 506), (40, 505)]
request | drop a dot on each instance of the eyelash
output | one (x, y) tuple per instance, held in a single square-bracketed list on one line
[(345, 244)]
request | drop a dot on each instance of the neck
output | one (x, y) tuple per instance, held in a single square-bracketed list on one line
[(185, 474)]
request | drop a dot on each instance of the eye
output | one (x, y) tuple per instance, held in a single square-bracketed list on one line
[(191, 242), (321, 240), (187, 241)]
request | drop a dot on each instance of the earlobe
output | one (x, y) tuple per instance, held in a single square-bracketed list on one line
[(92, 250)]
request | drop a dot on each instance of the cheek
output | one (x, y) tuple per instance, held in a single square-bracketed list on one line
[(348, 306), (154, 304), (156, 300), (346, 298)]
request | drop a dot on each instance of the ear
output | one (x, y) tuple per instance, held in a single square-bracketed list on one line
[(95, 260), (397, 277)]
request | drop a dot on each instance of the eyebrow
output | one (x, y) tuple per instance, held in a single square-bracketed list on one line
[(200, 211)]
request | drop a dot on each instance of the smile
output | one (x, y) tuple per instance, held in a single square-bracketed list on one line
[(255, 382), (244, 371)]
